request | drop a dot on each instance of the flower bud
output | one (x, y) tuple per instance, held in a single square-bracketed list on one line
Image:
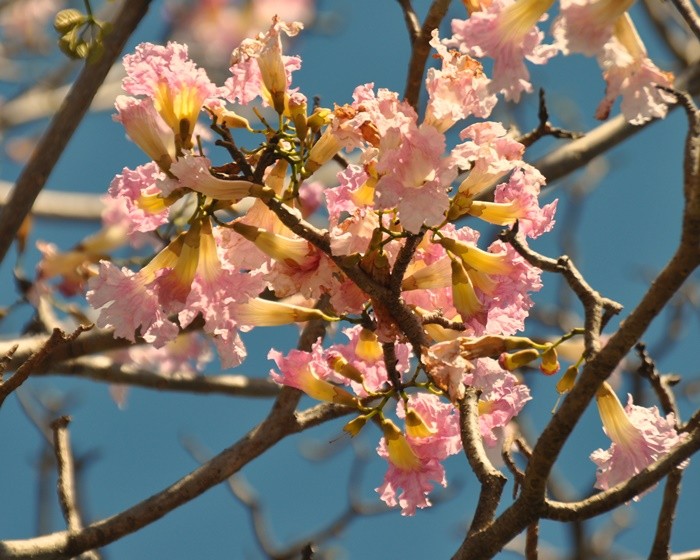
[(566, 383), (519, 359), (549, 364), (354, 426)]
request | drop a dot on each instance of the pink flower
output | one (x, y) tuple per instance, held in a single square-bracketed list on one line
[(128, 302), (630, 73), (259, 69), (366, 356), (192, 172), (502, 398), (370, 117), (518, 200), (146, 128), (414, 462), (216, 292), (457, 91), (639, 437), (177, 87), (505, 31), (132, 187), (308, 371), (489, 153), (584, 26), (343, 198), (414, 176)]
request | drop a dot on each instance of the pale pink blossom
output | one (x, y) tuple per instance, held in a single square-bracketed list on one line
[(354, 233), (193, 172), (506, 31), (518, 200), (127, 302), (489, 153), (585, 26), (639, 437), (370, 365), (258, 68), (343, 197), (369, 117), (177, 87), (407, 483), (635, 78), (309, 372), (502, 398), (130, 187), (146, 128), (456, 91), (414, 176)]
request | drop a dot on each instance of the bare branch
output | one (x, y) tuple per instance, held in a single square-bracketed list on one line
[(421, 49), (661, 547), (103, 369), (491, 479), (279, 424), (597, 309), (66, 478), (37, 360), (411, 20)]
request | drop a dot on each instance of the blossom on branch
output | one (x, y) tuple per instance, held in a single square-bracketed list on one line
[(639, 437)]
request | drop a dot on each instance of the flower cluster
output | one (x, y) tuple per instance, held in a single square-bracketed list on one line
[(432, 305)]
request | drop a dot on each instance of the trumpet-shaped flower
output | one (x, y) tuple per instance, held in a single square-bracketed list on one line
[(506, 31), (177, 87), (414, 462), (639, 437), (630, 73), (128, 302), (146, 128), (193, 172), (584, 26), (308, 371), (502, 397), (258, 68)]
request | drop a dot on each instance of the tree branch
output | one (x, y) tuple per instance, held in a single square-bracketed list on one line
[(102, 368), (491, 479), (36, 361), (421, 49), (279, 424)]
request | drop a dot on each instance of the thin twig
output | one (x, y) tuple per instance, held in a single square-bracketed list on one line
[(545, 128), (411, 20), (597, 308), (420, 49), (37, 360), (532, 540), (66, 473)]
